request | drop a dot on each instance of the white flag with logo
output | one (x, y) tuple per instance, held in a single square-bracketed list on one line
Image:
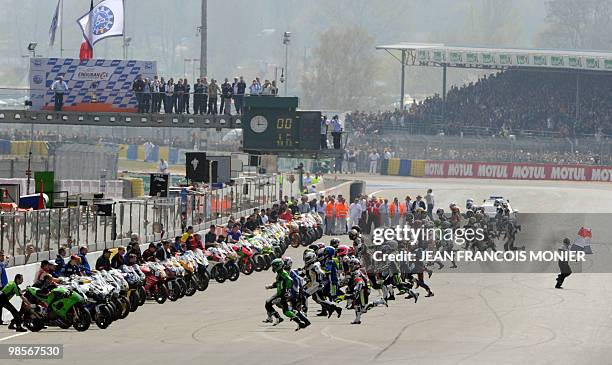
[(104, 21)]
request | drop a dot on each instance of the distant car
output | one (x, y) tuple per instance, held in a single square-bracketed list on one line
[(492, 205)]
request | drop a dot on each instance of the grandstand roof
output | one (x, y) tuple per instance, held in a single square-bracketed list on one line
[(436, 54)]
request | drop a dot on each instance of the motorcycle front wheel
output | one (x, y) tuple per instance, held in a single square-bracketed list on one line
[(81, 320)]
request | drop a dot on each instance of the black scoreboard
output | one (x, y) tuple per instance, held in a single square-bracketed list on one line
[(274, 124)]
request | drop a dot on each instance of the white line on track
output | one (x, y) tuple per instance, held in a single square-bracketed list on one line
[(13, 336), (325, 332), (273, 338)]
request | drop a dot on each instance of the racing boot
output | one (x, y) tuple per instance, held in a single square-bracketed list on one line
[(277, 319), (299, 323), (269, 319), (357, 319), (324, 311), (303, 318)]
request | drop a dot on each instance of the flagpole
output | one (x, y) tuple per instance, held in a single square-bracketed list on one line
[(125, 55), (61, 28)]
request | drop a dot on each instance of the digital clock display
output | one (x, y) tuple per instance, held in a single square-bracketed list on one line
[(285, 136)]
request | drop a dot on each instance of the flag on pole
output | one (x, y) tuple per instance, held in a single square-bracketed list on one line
[(86, 51), (54, 23), (103, 21), (583, 241)]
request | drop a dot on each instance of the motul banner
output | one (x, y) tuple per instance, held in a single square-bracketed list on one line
[(517, 171)]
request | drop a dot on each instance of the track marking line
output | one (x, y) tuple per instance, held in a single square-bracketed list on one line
[(13, 336), (325, 332)]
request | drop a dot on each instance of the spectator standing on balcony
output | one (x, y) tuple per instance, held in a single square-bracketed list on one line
[(169, 97), (255, 88), (161, 96), (226, 98), (239, 88), (187, 88), (336, 126), (155, 94), (138, 88), (266, 88), (146, 96), (274, 88), (197, 96), (324, 128), (179, 91), (59, 88), (204, 96), (213, 91)]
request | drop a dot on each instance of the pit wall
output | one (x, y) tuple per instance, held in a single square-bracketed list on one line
[(495, 170)]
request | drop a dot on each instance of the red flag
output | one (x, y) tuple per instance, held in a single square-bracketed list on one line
[(41, 198), (86, 51)]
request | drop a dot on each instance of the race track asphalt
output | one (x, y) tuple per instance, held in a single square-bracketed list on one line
[(472, 319)]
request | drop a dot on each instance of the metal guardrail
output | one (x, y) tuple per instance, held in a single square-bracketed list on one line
[(146, 120), (37, 235)]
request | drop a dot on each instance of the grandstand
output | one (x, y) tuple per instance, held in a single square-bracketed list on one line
[(536, 91)]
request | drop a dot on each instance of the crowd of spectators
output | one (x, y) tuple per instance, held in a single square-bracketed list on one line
[(508, 102), (203, 97)]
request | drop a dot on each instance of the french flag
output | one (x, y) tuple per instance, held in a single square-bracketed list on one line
[(583, 241)]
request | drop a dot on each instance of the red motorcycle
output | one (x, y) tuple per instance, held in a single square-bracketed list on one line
[(245, 259), (155, 286)]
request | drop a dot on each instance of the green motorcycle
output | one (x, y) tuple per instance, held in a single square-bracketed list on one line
[(60, 307)]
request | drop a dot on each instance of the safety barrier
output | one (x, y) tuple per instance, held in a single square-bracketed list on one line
[(38, 148), (152, 154), (491, 170)]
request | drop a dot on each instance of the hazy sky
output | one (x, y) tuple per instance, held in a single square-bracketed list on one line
[(245, 36)]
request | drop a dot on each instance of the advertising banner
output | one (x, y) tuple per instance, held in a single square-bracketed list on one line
[(517, 171), (95, 85)]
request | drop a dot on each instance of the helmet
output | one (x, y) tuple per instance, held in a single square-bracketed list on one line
[(439, 211), (313, 247), (356, 228), (307, 251), (334, 242), (386, 249), (277, 265), (351, 251), (342, 250), (353, 234), (288, 262), (329, 251), (310, 258), (566, 241), (354, 263), (321, 245)]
